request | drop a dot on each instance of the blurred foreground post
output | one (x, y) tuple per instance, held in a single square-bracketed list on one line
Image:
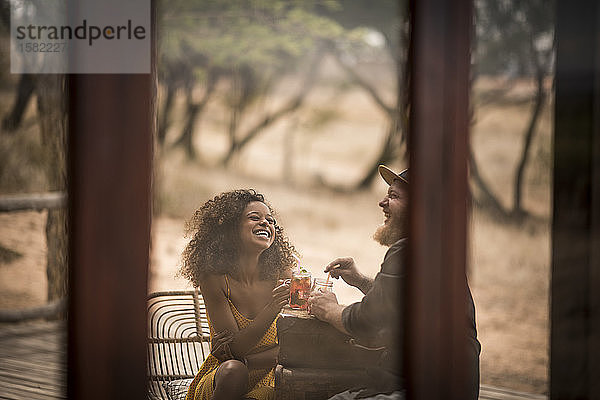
[(111, 122), (110, 208), (575, 303), (436, 341), (52, 114)]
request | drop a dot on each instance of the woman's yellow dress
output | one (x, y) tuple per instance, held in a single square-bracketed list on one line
[(261, 382)]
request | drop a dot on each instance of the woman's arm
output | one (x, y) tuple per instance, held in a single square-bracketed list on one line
[(263, 360), (219, 345), (222, 319)]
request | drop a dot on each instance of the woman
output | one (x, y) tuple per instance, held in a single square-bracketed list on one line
[(239, 257)]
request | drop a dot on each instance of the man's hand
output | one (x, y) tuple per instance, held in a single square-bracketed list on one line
[(219, 345), (346, 268), (324, 306)]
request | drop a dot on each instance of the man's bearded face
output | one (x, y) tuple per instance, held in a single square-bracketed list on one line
[(395, 207)]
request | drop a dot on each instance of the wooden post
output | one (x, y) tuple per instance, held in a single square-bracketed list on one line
[(110, 209), (575, 303), (111, 123), (436, 340)]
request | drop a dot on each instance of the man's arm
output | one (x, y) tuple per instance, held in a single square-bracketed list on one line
[(369, 319), (381, 307), (377, 312), (345, 267), (365, 284)]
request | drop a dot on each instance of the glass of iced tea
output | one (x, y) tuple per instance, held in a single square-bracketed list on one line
[(300, 289)]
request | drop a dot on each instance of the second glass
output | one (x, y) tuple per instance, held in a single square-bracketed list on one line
[(323, 285)]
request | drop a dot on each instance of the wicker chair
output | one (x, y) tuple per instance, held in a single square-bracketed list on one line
[(179, 338)]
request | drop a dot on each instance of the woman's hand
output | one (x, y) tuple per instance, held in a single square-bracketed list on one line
[(219, 345), (280, 295)]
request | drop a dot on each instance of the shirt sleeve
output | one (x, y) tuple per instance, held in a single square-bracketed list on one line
[(376, 318)]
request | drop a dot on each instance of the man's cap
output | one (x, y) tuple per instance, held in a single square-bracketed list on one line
[(390, 176)]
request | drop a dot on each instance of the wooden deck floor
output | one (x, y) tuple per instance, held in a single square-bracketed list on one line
[(33, 364), (33, 361)]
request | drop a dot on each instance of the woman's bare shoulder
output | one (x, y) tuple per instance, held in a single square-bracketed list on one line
[(211, 283)]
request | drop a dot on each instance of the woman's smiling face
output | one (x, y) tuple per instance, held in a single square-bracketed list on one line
[(257, 227)]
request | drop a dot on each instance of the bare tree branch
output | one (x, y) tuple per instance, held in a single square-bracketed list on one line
[(538, 105), (489, 199), (292, 105), (165, 121), (356, 78), (25, 90), (193, 112)]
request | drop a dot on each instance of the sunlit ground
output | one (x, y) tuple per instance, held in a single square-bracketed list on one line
[(509, 269)]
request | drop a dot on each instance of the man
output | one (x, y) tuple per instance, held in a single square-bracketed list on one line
[(376, 319)]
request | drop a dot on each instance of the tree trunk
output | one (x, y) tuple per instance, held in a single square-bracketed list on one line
[(398, 115), (24, 92), (53, 127), (164, 123), (386, 155), (517, 210), (187, 134), (488, 199), (193, 112), (233, 145), (239, 104), (238, 145)]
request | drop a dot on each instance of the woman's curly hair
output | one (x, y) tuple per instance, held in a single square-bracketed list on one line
[(215, 239)]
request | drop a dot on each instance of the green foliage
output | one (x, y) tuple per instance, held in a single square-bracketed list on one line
[(251, 44), (514, 36), (389, 17), (251, 48), (264, 35)]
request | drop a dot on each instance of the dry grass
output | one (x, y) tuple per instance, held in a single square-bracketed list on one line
[(509, 269), (510, 277), (23, 280)]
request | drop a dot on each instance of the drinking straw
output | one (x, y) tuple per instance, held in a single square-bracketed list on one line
[(329, 273)]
